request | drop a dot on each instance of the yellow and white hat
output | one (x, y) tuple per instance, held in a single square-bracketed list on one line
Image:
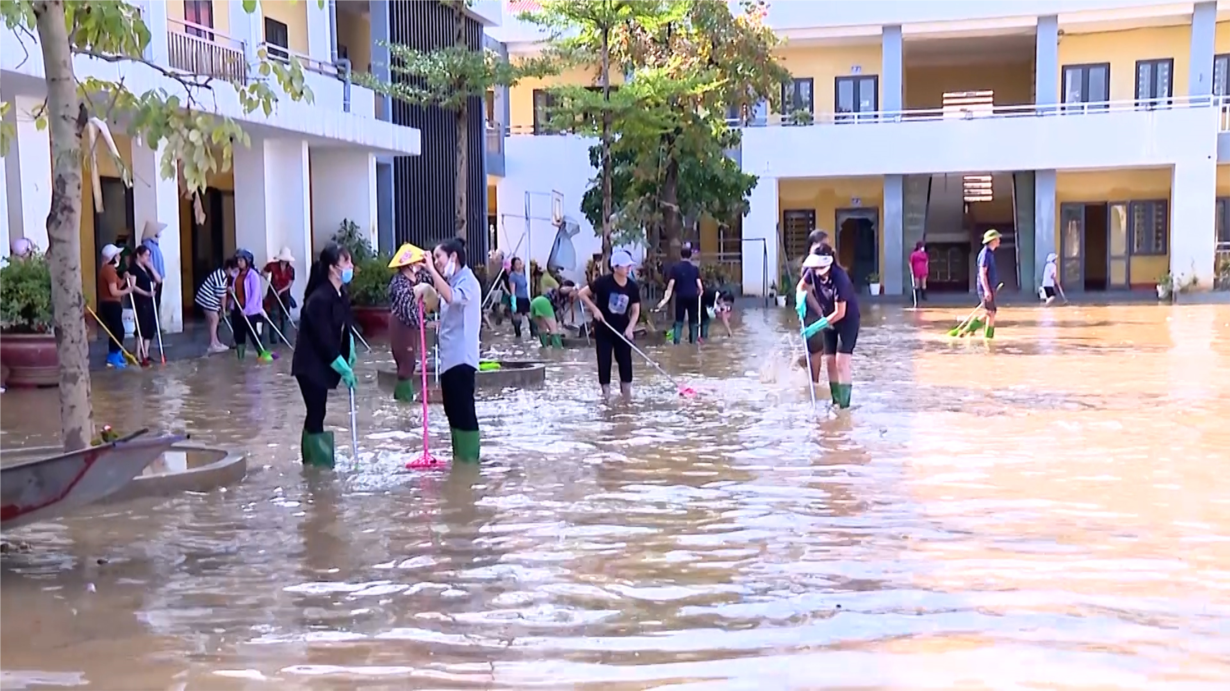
[(406, 255)]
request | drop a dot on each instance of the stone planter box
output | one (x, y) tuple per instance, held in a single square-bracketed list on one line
[(643, 338), (511, 375), (372, 321), (31, 360)]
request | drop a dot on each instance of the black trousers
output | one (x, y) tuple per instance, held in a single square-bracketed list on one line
[(612, 347), (112, 316), (315, 397), (244, 332), (687, 309), (457, 389)]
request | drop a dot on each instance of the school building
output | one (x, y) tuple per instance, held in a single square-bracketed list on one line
[(1089, 128), (347, 155)]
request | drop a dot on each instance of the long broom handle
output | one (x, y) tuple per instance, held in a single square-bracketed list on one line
[(158, 327), (640, 352), (251, 329), (277, 331), (280, 304), (107, 331)]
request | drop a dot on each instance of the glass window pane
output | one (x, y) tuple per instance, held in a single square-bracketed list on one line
[(1223, 229), (1144, 80), (845, 96), (1220, 65), (1140, 238), (1162, 86), (867, 95), (1098, 90), (1118, 230), (1072, 85), (804, 89)]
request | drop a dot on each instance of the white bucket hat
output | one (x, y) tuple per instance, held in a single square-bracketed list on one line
[(820, 262), (285, 256)]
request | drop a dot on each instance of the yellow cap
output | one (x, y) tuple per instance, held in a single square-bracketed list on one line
[(406, 255)]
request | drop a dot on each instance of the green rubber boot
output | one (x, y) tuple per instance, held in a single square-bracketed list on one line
[(834, 393), (989, 334), (465, 446), (241, 350), (557, 340), (543, 338), (843, 395), (318, 449), (404, 391), (975, 326)]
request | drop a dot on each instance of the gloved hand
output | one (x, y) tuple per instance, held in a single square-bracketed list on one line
[(815, 328), (800, 303), (514, 302), (343, 368), (354, 354)]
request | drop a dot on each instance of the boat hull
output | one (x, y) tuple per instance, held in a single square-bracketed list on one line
[(47, 488)]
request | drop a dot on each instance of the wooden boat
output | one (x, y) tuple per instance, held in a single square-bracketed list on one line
[(45, 488)]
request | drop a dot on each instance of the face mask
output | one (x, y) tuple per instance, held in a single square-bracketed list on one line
[(450, 269), (347, 274)]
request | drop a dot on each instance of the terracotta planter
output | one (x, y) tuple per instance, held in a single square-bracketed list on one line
[(31, 360), (372, 321)]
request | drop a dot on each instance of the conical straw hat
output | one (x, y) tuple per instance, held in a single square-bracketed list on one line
[(406, 255)]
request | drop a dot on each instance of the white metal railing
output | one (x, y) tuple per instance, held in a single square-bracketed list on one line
[(806, 119), (203, 50)]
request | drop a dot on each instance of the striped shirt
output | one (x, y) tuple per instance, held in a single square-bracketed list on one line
[(209, 296)]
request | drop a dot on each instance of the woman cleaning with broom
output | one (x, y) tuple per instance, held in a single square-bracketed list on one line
[(827, 289), (246, 313), (615, 301), (324, 349), (461, 298)]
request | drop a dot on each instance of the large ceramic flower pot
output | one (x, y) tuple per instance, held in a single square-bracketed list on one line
[(31, 359), (372, 321)]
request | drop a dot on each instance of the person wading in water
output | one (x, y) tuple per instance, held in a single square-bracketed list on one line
[(411, 283), (614, 300), (827, 288), (324, 349)]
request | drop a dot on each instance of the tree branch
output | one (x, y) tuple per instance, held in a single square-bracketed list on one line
[(184, 81)]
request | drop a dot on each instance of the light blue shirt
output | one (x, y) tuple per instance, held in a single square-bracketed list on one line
[(155, 256), (460, 321), (521, 286)]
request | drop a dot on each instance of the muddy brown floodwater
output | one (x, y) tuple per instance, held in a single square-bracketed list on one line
[(1052, 511)]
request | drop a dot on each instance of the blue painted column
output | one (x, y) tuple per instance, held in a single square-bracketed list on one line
[(892, 273), (1204, 30), (892, 81), (1046, 63), (1044, 221)]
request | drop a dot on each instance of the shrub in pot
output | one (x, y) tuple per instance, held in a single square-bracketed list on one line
[(369, 294), (27, 338)]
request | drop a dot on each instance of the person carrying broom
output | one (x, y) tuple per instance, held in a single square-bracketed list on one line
[(324, 349), (826, 290), (247, 310), (988, 283)]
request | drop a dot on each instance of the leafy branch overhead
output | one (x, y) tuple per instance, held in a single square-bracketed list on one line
[(449, 76), (196, 141)]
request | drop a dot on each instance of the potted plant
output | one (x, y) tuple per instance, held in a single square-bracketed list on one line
[(27, 338), (873, 283), (1165, 287), (369, 295), (800, 117)]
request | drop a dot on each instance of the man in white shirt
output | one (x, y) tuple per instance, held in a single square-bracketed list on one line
[(1051, 287)]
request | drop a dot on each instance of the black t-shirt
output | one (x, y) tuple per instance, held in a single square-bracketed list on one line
[(834, 288), (685, 274), (615, 301), (144, 282)]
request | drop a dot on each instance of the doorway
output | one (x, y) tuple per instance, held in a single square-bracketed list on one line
[(208, 250), (1093, 247), (858, 246)]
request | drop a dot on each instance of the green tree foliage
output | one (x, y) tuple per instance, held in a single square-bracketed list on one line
[(684, 172), (591, 34), (195, 141), (450, 77)]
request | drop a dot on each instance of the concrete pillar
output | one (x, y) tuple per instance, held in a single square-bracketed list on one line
[(248, 27), (273, 203), (892, 72), (154, 13), (343, 187), (892, 273), (1192, 235), (1044, 216), (4, 213), (320, 41), (157, 199), (380, 55), (384, 205), (1204, 29), (28, 174), (760, 239), (1046, 63)]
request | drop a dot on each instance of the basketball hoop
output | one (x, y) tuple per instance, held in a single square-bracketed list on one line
[(557, 208)]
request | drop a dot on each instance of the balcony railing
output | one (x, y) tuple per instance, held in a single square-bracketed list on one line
[(933, 114), (201, 50)]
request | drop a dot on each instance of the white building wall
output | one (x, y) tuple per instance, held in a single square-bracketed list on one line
[(343, 187), (273, 204), (156, 199), (28, 174)]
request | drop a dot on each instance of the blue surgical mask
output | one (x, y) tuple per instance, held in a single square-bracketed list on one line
[(347, 274)]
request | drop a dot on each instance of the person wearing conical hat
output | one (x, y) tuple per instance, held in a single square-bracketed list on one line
[(280, 273), (409, 284), (988, 279)]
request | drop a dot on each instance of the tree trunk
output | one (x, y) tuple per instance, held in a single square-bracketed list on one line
[(607, 193), (672, 223), (461, 195), (463, 165), (67, 118)]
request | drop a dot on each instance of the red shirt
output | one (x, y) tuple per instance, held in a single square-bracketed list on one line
[(280, 277), (919, 263)]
